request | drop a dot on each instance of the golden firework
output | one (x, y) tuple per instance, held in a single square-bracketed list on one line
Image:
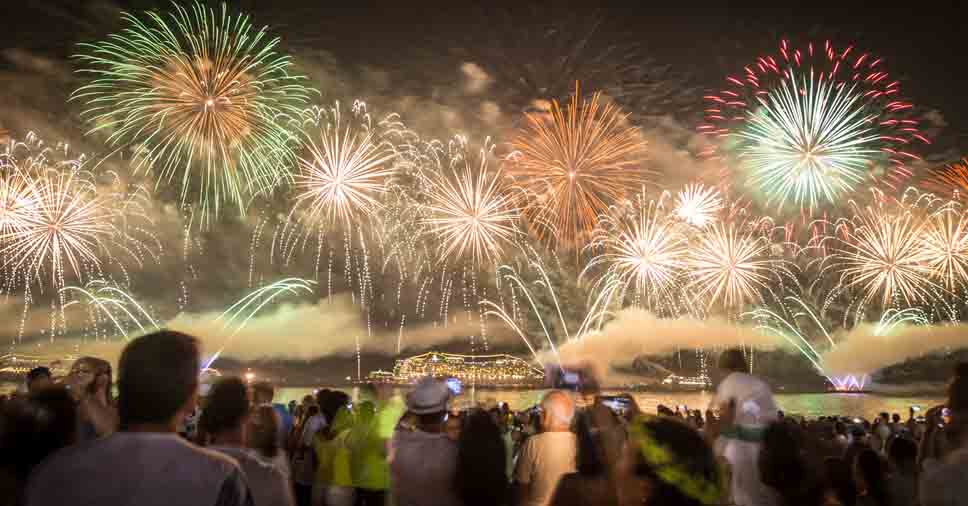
[(573, 164), (644, 248), (472, 210), (950, 181), (884, 253), (945, 242), (730, 263)]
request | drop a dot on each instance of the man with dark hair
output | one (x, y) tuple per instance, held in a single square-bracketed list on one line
[(38, 379), (225, 419), (746, 406), (145, 463), (902, 484), (423, 462), (262, 393)]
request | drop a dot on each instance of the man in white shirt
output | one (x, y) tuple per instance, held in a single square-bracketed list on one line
[(549, 455), (749, 401), (145, 463)]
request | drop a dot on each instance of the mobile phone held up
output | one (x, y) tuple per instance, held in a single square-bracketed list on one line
[(618, 404), (455, 387), (559, 378)]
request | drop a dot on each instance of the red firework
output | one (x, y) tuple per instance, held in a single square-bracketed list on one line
[(728, 110)]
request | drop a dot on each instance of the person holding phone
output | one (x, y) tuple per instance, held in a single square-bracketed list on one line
[(89, 382)]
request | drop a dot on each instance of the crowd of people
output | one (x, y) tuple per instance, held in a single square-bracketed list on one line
[(160, 442)]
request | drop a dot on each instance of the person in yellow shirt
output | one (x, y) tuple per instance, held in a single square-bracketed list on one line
[(333, 485), (368, 444)]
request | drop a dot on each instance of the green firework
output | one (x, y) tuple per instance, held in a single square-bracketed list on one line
[(202, 97)]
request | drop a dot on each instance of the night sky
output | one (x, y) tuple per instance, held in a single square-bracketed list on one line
[(409, 59)]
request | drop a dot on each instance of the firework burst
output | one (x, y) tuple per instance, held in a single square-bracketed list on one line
[(698, 205), (201, 95), (945, 245), (730, 263), (950, 181), (68, 227), (807, 127), (575, 164), (883, 255), (17, 202), (473, 210), (345, 171), (643, 248)]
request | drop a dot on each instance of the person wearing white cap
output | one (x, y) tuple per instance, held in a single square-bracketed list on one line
[(423, 462)]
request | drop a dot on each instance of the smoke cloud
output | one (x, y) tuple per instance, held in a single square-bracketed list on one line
[(636, 332), (332, 326), (290, 331), (861, 351)]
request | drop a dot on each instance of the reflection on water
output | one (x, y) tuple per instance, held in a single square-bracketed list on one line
[(811, 405)]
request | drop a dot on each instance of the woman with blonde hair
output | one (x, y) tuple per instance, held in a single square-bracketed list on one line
[(89, 382)]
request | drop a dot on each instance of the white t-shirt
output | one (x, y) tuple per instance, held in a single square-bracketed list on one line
[(544, 459), (269, 484), (755, 409), (138, 469)]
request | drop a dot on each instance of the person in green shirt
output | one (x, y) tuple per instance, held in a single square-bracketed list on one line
[(368, 442), (333, 484)]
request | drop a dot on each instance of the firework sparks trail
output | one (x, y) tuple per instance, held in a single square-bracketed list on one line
[(787, 326), (808, 126), (115, 304), (472, 211), (235, 318), (594, 317), (201, 95), (573, 165)]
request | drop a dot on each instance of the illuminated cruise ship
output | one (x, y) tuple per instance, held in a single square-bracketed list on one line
[(480, 370)]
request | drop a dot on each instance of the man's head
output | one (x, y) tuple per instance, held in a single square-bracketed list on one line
[(37, 379), (227, 408), (157, 379), (428, 401), (263, 392), (896, 418), (903, 453), (733, 360), (557, 412)]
